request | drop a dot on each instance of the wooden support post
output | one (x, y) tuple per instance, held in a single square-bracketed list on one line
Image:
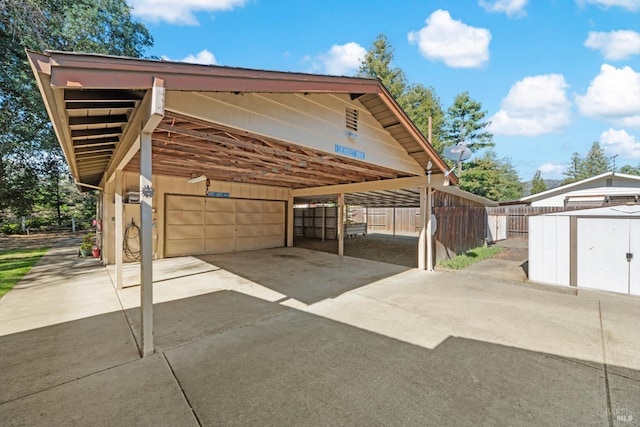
[(341, 224), (119, 231), (394, 225), (429, 229), (146, 246), (290, 221), (423, 238)]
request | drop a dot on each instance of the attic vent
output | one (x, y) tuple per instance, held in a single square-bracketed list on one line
[(352, 119), (609, 182)]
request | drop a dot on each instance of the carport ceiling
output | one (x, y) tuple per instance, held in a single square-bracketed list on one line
[(185, 146)]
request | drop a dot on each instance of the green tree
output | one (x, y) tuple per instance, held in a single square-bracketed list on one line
[(630, 170), (490, 177), (464, 123), (28, 145), (595, 162), (537, 184), (377, 64), (420, 103)]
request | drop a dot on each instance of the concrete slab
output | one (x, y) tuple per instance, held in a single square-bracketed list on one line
[(305, 275), (45, 357), (296, 368), (60, 288), (190, 319), (138, 393)]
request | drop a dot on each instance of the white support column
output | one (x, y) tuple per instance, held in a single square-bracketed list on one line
[(428, 231), (341, 224), (423, 238), (146, 246), (290, 221), (119, 231)]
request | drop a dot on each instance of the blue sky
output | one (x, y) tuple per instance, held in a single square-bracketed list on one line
[(553, 75)]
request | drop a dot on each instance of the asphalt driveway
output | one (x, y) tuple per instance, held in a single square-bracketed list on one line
[(297, 337)]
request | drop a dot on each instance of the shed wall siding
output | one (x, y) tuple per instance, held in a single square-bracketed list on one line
[(315, 120), (549, 249)]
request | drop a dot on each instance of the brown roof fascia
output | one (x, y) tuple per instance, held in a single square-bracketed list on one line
[(90, 71)]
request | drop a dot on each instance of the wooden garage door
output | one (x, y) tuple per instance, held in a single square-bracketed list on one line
[(205, 225)]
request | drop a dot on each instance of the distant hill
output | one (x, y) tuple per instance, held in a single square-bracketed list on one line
[(551, 183)]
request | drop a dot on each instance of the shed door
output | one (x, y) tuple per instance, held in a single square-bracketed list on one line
[(206, 225), (603, 244)]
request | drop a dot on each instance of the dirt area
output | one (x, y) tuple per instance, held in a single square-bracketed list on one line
[(403, 250), (34, 240)]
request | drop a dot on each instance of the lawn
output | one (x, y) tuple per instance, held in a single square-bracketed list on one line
[(15, 263), (470, 257)]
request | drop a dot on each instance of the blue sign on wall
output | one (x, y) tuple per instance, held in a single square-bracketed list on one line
[(346, 151), (217, 194)]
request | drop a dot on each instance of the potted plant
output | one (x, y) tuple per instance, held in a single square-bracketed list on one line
[(86, 248)]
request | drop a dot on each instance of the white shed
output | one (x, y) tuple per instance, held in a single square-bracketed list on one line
[(591, 248)]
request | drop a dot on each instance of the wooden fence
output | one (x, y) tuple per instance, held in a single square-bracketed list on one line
[(517, 217)]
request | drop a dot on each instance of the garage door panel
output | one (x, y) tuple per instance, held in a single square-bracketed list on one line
[(273, 230), (249, 206), (185, 218), (243, 219), (217, 231), (197, 225), (272, 207), (220, 205), (249, 230), (186, 247), (179, 232), (272, 218), (218, 218), (185, 203)]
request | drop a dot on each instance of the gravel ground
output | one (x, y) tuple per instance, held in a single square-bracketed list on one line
[(403, 250)]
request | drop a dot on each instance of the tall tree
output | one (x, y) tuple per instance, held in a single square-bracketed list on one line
[(464, 123), (490, 177), (537, 184), (377, 64), (595, 162), (420, 103), (96, 26), (630, 170), (574, 170)]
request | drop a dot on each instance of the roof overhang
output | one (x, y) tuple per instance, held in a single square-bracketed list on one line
[(97, 104)]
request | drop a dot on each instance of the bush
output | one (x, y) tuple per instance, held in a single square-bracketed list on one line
[(10, 228)]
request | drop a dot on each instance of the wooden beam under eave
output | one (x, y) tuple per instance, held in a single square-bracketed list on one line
[(363, 187)]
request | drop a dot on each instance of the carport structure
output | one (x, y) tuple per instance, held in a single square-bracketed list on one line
[(261, 141)]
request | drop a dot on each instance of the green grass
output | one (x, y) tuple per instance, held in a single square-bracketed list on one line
[(470, 257), (15, 263)]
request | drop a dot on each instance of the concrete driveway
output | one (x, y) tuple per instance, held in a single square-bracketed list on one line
[(297, 337)]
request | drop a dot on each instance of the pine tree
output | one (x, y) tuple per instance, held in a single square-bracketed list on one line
[(595, 162), (537, 184), (377, 64), (574, 170), (464, 123)]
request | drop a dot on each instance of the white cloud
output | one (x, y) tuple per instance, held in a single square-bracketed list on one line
[(456, 44), (552, 170), (534, 106), (512, 8), (180, 12), (343, 59), (621, 143), (631, 5), (203, 57), (613, 95), (615, 45)]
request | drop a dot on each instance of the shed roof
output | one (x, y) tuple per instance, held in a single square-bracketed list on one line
[(94, 102), (632, 211)]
